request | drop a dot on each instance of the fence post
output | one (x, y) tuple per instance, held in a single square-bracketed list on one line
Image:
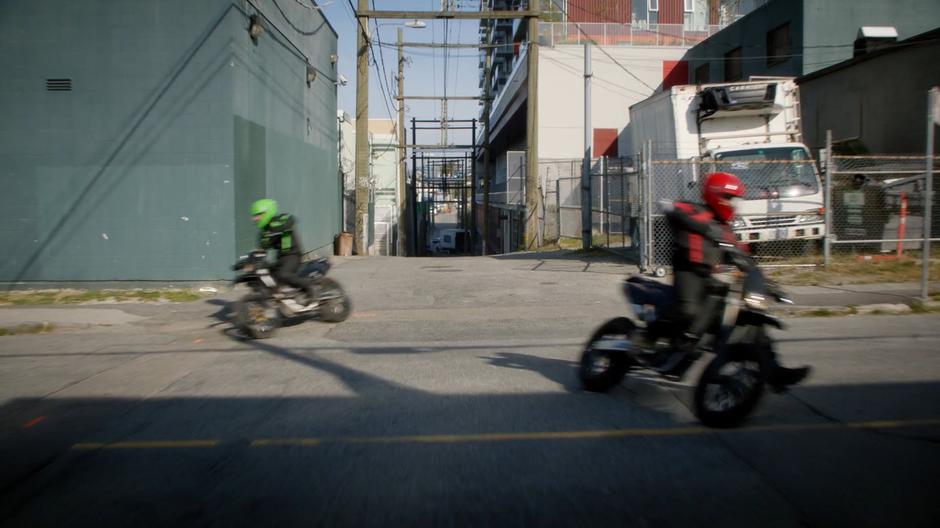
[(558, 208), (648, 206), (623, 205), (933, 101), (827, 200), (605, 204), (640, 212)]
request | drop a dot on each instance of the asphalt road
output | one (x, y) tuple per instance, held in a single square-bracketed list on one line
[(450, 399)]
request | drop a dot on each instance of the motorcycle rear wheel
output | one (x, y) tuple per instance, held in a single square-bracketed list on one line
[(336, 307), (257, 316), (600, 369), (727, 392)]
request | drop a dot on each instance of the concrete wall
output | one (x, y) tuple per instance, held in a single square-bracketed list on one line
[(286, 130), (561, 93), (141, 170), (124, 177), (890, 118)]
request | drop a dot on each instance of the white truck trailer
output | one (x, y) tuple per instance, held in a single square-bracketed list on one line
[(749, 128)]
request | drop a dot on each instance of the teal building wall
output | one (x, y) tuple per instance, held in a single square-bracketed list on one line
[(821, 33), (175, 121)]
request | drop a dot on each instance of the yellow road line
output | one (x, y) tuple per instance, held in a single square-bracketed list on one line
[(280, 442), (513, 437), (148, 444), (509, 437)]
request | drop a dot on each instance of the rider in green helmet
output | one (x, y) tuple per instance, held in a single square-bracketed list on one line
[(277, 232)]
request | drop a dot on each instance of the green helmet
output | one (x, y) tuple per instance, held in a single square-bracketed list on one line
[(262, 211)]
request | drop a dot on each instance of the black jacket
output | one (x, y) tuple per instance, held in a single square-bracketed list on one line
[(279, 234), (696, 234)]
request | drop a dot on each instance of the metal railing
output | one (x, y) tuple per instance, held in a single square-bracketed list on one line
[(607, 34)]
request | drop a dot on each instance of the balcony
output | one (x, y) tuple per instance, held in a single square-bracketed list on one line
[(563, 33)]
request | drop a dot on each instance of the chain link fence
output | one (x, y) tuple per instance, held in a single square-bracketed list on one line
[(780, 217), (878, 207), (792, 214), (612, 217)]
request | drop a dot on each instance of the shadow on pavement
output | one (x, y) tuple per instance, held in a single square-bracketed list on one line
[(385, 454), (563, 372), (358, 471)]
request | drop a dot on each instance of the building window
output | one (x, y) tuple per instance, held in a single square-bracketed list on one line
[(652, 5), (778, 44), (689, 6), (702, 73), (733, 65)]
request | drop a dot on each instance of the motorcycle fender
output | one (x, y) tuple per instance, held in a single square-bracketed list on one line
[(747, 318), (627, 326)]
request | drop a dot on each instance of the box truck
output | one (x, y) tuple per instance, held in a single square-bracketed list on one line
[(749, 128)]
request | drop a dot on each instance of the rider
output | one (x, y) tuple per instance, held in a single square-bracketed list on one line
[(277, 232), (698, 230)]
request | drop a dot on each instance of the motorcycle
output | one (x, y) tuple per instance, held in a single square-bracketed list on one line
[(259, 313), (736, 321)]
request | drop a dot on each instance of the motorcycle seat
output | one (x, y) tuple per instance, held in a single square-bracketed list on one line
[(320, 265), (648, 292)]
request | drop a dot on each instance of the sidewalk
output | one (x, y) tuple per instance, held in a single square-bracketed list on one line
[(382, 283)]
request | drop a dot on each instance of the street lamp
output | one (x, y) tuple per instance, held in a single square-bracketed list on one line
[(416, 24)]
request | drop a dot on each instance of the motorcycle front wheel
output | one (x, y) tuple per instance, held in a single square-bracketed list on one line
[(257, 316), (727, 392), (335, 306), (604, 361)]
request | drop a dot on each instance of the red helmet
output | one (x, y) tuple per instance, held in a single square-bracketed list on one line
[(717, 192)]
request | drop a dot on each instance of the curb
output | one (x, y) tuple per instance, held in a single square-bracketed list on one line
[(864, 309)]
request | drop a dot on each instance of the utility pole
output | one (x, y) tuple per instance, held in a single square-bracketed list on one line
[(473, 188), (417, 249), (402, 181), (487, 106), (933, 119), (532, 192), (362, 130), (586, 223)]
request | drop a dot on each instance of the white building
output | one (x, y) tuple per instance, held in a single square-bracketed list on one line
[(630, 62), (384, 193)]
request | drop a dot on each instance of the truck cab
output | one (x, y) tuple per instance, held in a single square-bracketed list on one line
[(783, 197)]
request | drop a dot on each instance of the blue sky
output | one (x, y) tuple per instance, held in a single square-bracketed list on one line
[(424, 73)]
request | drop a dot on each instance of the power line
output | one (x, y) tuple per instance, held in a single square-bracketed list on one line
[(305, 33), (365, 32), (631, 74), (378, 38)]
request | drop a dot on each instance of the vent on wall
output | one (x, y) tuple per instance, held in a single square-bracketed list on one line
[(59, 85)]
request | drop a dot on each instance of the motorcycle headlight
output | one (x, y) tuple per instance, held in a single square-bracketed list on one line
[(755, 301)]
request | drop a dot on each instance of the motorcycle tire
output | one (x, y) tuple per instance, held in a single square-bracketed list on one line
[(256, 316), (724, 400), (336, 307), (600, 370)]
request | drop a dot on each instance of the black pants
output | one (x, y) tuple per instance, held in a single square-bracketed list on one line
[(285, 271), (689, 313)]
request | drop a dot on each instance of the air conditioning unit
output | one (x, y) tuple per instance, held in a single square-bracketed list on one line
[(740, 99)]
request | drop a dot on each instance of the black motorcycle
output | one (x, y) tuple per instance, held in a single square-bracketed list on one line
[(259, 313), (736, 319)]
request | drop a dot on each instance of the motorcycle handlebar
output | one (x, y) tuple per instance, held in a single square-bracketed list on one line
[(745, 262)]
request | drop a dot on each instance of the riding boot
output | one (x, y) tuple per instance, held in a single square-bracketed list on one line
[(779, 377), (683, 355), (312, 292)]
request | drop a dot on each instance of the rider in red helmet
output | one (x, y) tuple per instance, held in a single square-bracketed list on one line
[(697, 232)]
